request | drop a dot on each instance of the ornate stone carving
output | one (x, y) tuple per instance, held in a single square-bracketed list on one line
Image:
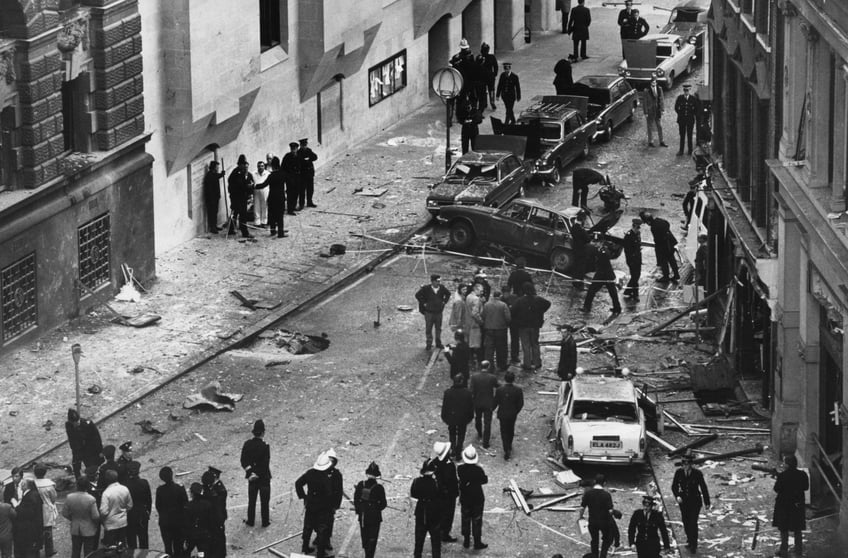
[(809, 31), (72, 35), (7, 65), (788, 9)]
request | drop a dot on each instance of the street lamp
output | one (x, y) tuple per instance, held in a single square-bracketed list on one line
[(76, 353), (447, 83)]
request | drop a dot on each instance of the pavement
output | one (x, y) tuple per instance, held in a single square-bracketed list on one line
[(202, 319)]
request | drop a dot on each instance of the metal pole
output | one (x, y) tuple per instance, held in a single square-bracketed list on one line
[(76, 352), (447, 135)]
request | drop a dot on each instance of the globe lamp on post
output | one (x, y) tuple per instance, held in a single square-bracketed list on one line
[(447, 83)]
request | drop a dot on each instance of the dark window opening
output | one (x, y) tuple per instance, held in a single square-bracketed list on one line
[(74, 130), (386, 78), (7, 152), (273, 24)]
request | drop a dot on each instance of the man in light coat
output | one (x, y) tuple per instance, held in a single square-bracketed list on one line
[(496, 318), (47, 490), (652, 106), (81, 510), (114, 505)]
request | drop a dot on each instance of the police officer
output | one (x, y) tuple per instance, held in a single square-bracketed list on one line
[(291, 171), (664, 243), (216, 493), (318, 504), (199, 522), (690, 491), (307, 173), (240, 187), (256, 462), (123, 461), (625, 23), (604, 279), (369, 501), (428, 510), (687, 107), (633, 257), (509, 89), (646, 527)]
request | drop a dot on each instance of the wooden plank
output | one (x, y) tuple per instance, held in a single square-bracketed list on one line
[(660, 441), (553, 501), (521, 500)]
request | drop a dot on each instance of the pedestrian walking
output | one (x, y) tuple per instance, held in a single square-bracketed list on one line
[(580, 180), (432, 299), (496, 319), (12, 489), (564, 7), (428, 510), (509, 400), (598, 502), (115, 502), (7, 520), (625, 23), (690, 491), (509, 90), (578, 25), (483, 386), (457, 306), (463, 61), (474, 322), (123, 461), (336, 494), (448, 487), (518, 276), (529, 313), (469, 116), (290, 166), (664, 243), (687, 107), (84, 439), (256, 462), (139, 516), (653, 105), (789, 507), (633, 258), (28, 529), (472, 500), (489, 69), (646, 527), (216, 493), (307, 158), (457, 411), (276, 201), (369, 501), (458, 355), (211, 196), (240, 188), (260, 194), (81, 510), (563, 79), (198, 522), (318, 505), (171, 502), (567, 367), (47, 491)]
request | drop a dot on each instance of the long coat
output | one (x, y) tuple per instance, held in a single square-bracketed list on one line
[(457, 406), (474, 320), (471, 481), (579, 23), (29, 523), (789, 513), (509, 400)]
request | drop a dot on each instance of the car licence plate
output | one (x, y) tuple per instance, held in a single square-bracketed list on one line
[(605, 444)]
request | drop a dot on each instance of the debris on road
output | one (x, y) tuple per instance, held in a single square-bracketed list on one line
[(148, 428), (212, 396), (300, 343)]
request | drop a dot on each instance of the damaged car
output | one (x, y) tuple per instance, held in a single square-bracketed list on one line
[(612, 102)]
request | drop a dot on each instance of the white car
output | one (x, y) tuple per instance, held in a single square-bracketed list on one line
[(598, 420), (662, 55)]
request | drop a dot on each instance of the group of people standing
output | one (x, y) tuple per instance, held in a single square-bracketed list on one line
[(277, 188)]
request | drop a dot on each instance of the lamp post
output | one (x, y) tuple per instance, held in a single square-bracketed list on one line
[(76, 353), (447, 83)]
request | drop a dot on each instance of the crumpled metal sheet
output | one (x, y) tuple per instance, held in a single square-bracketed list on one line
[(212, 396)]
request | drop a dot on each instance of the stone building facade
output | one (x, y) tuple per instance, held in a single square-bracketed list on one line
[(76, 198)]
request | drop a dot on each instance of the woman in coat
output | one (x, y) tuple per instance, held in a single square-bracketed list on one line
[(474, 320), (458, 311), (789, 510)]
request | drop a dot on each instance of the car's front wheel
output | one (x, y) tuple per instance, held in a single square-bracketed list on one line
[(462, 235), (554, 180), (561, 260), (669, 83)]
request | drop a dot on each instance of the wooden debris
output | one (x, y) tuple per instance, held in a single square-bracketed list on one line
[(660, 441), (555, 463), (275, 543), (758, 448), (731, 428), (702, 441), (521, 501), (553, 501)]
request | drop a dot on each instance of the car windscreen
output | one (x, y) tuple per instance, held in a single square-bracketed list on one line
[(620, 411), (685, 16), (468, 172), (663, 51), (551, 131)]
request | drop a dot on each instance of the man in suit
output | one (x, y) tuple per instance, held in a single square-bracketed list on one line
[(564, 6), (448, 488), (212, 195), (652, 106), (578, 26), (489, 69), (646, 527), (471, 498), (216, 493), (318, 504), (171, 501), (529, 313), (687, 107), (567, 367), (598, 502), (428, 510), (509, 89), (789, 506), (431, 303), (256, 461), (509, 400), (84, 439), (690, 491), (633, 257), (457, 411), (240, 186), (483, 386), (28, 531), (81, 510), (139, 516), (291, 171)]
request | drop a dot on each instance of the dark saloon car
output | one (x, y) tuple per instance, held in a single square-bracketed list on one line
[(525, 227), (612, 101), (488, 177)]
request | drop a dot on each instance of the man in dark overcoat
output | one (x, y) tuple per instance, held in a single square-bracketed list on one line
[(171, 502), (307, 158), (369, 501), (428, 510), (509, 89), (212, 195), (489, 70), (256, 462), (471, 477), (198, 521), (646, 527), (276, 183), (483, 386), (604, 278), (633, 257), (431, 303), (448, 488), (291, 171), (138, 516), (85, 442), (318, 505), (690, 491), (529, 314), (578, 26), (509, 400), (567, 367), (789, 510), (28, 529), (664, 243), (687, 107), (215, 491), (240, 187), (457, 411)]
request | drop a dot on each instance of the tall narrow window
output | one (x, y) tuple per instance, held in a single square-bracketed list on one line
[(74, 132), (7, 153), (273, 24)]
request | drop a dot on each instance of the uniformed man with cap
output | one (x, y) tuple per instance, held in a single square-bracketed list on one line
[(318, 504), (307, 173), (139, 515), (369, 501), (646, 527), (687, 107), (633, 257), (690, 491), (240, 187), (256, 462), (216, 493), (428, 509), (199, 521), (509, 89), (123, 461)]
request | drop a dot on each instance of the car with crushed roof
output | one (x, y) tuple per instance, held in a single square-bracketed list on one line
[(689, 20), (612, 101), (490, 175), (664, 55), (598, 420), (527, 228)]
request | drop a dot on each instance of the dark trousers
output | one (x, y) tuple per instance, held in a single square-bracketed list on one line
[(448, 506), (530, 347), (422, 529), (469, 137), (507, 433), (307, 188), (276, 217), (784, 542), (597, 286), (433, 321), (83, 546), (137, 533), (666, 261), (480, 89), (315, 522), (217, 542), (600, 535), (565, 21), (514, 344), (472, 521), (201, 544), (172, 540), (238, 212), (509, 103), (212, 213), (483, 423), (632, 288), (648, 549), (495, 345), (579, 194), (292, 192), (369, 532), (114, 536), (263, 489), (689, 515), (456, 434), (580, 44), (685, 129), (47, 541), (25, 551)]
